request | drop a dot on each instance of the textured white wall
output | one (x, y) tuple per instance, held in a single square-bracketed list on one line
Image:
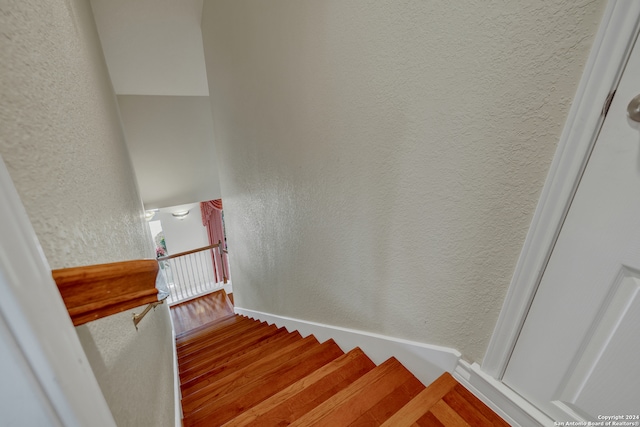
[(170, 139), (183, 234), (380, 161), (61, 138)]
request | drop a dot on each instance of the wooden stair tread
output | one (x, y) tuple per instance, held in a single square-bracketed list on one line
[(218, 333), (210, 341), (196, 334), (306, 393), (428, 420), (228, 354), (390, 404), (232, 343), (472, 409), (207, 325), (238, 371), (245, 375), (198, 352), (349, 404), (209, 360), (202, 330), (423, 402), (225, 335), (230, 405), (221, 370)]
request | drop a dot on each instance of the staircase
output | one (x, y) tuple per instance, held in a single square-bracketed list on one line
[(236, 371)]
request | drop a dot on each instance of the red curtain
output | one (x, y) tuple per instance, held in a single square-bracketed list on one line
[(212, 220)]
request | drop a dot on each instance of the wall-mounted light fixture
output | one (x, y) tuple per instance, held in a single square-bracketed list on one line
[(180, 214), (148, 215)]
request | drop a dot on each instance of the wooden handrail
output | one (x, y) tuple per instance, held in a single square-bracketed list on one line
[(164, 258), (95, 291)]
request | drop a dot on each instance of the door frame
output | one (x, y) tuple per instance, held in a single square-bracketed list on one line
[(35, 325), (612, 45)]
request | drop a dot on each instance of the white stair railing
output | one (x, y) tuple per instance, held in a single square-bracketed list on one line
[(193, 273)]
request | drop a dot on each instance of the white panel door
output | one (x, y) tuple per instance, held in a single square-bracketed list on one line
[(578, 355)]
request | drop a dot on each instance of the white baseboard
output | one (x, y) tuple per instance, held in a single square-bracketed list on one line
[(177, 394), (426, 362), (505, 402)]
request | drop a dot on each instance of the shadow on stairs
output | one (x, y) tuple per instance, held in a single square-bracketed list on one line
[(236, 371)]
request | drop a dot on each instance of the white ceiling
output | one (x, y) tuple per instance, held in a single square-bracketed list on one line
[(153, 47), (153, 50)]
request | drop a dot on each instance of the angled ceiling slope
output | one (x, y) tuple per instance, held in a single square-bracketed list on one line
[(153, 47)]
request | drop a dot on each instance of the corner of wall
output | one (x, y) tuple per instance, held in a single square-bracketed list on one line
[(426, 362)]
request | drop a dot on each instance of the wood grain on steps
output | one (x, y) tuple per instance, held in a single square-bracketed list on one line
[(221, 370), (306, 385), (218, 333), (202, 330), (474, 411), (244, 397), (196, 359), (197, 333), (348, 405), (445, 403), (197, 352), (205, 309), (390, 404), (211, 337), (300, 397), (417, 407), (205, 342), (228, 354), (230, 383), (235, 344)]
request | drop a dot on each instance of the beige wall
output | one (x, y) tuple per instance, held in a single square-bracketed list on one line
[(61, 138), (380, 161)]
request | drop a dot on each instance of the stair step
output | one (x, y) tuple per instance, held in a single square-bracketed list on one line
[(220, 370), (225, 341), (209, 340), (195, 334), (222, 335), (221, 355), (390, 404), (308, 392), (219, 321), (447, 416), (349, 404), (245, 375), (472, 409), (236, 371), (233, 342), (423, 402), (230, 353), (244, 397), (218, 332)]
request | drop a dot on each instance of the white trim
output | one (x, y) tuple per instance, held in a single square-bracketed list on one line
[(36, 317), (177, 393), (500, 398), (604, 67), (426, 362)]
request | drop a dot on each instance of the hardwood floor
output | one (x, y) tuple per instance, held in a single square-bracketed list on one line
[(200, 311), (235, 371)]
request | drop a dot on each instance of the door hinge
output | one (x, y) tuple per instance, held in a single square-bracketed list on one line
[(607, 103)]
